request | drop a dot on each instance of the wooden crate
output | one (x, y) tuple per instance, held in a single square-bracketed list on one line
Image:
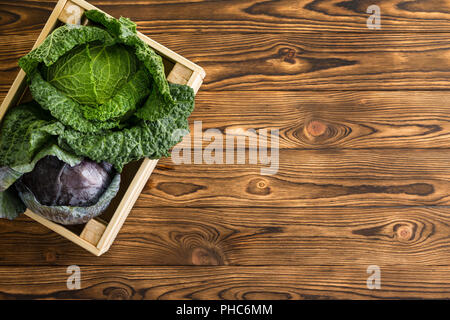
[(98, 234)]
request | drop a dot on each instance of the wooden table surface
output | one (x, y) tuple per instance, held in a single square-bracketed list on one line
[(364, 173)]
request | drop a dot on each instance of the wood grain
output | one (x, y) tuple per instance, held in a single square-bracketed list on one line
[(20, 17), (256, 16), (307, 178), (414, 236), (230, 283), (363, 176), (350, 120), (298, 61), (326, 61)]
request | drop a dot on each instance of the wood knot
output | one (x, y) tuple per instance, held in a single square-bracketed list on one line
[(261, 184), (266, 295), (179, 189), (115, 293), (287, 55), (404, 233), (205, 257), (50, 255), (316, 128), (258, 187)]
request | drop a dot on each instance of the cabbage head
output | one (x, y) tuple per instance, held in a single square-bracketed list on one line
[(108, 90), (99, 94)]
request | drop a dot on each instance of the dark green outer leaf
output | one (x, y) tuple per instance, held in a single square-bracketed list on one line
[(7, 177), (24, 131), (156, 108), (10, 204), (50, 150), (61, 41)]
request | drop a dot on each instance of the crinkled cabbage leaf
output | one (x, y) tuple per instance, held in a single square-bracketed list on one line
[(24, 131), (10, 204)]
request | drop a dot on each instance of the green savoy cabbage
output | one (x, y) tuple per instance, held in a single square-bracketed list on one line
[(107, 91), (93, 73), (100, 93)]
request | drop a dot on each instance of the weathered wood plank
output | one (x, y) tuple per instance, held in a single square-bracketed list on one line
[(277, 236), (416, 236), (297, 61), (307, 178), (299, 282), (314, 120), (255, 16), (326, 61)]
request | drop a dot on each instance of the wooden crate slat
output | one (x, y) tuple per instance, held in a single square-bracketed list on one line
[(93, 231), (71, 13), (66, 233), (180, 74), (195, 81), (125, 206)]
